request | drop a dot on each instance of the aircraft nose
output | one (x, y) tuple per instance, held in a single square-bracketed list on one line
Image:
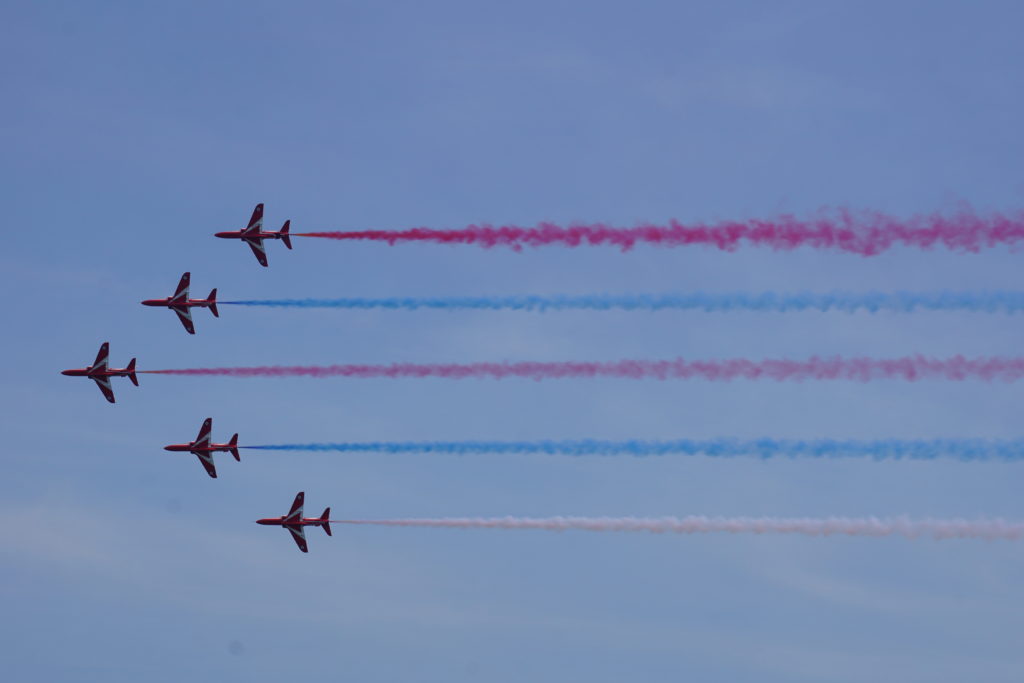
[(220, 234), (65, 372)]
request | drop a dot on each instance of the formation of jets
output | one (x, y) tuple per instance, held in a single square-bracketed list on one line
[(253, 235), (203, 447)]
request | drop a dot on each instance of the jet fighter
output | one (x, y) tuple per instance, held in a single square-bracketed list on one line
[(180, 304), (253, 235), (101, 373), (294, 522), (204, 449)]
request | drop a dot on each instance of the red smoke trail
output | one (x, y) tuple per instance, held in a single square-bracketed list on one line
[(865, 233), (910, 368), (827, 526)]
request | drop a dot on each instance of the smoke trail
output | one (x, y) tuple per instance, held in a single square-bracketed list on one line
[(865, 233), (883, 449), (696, 524), (910, 368), (902, 302)]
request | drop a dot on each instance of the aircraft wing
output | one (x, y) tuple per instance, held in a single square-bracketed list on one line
[(256, 244), (257, 218), (181, 293), (299, 535), (101, 357), (185, 316), (204, 432), (104, 384), (208, 465), (295, 514)]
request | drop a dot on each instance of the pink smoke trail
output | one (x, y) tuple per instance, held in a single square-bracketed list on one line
[(828, 526), (865, 233), (910, 368)]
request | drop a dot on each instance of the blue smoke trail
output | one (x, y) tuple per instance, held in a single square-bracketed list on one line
[(903, 302), (886, 449)]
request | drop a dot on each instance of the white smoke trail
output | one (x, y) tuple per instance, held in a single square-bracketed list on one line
[(699, 524)]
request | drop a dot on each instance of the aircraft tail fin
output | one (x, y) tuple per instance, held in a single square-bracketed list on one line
[(234, 447), (131, 373), (325, 521), (213, 303), (285, 237)]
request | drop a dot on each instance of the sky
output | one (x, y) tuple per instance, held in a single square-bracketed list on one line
[(133, 131)]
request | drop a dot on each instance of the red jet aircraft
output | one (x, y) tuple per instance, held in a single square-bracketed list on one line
[(253, 235), (101, 373), (180, 303), (294, 522), (204, 449)]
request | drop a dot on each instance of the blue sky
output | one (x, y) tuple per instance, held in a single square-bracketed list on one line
[(133, 131)]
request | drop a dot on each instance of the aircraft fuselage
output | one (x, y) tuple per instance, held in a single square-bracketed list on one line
[(171, 303), (88, 372), (280, 521), (192, 448), (241, 234)]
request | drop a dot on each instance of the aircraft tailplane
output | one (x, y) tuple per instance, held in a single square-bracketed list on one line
[(213, 303), (325, 521), (234, 447), (285, 237), (131, 373)]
